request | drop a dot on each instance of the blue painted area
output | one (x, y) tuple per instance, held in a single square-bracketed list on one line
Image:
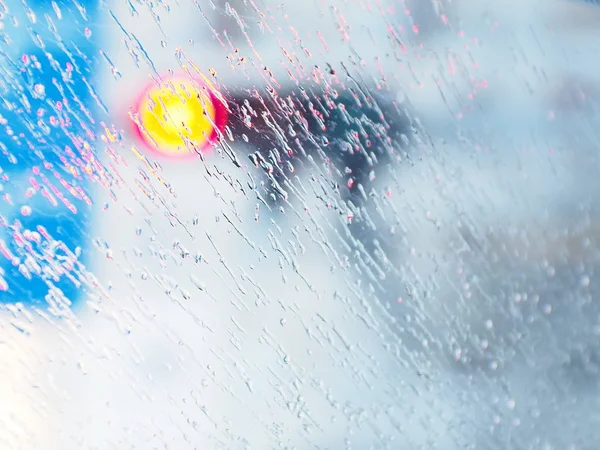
[(67, 5), (48, 110)]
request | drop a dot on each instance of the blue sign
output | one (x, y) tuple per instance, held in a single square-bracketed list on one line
[(48, 120)]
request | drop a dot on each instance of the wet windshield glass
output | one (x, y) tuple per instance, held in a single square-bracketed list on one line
[(280, 224)]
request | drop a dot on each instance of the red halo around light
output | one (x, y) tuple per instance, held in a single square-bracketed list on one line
[(220, 118)]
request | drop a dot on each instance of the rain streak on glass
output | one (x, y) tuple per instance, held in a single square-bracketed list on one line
[(282, 224)]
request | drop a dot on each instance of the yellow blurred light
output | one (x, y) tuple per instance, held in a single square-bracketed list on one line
[(177, 112)]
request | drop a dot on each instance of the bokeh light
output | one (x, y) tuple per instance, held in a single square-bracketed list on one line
[(178, 117)]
